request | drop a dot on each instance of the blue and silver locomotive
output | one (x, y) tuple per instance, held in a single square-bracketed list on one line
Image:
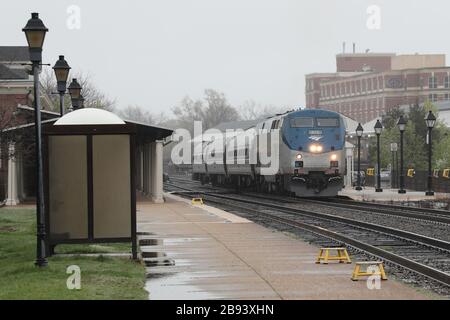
[(310, 158)]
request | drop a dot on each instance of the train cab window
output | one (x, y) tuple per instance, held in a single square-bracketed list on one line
[(274, 123), (302, 123), (277, 124), (328, 122)]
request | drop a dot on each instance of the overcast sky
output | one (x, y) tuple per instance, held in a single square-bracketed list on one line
[(154, 52)]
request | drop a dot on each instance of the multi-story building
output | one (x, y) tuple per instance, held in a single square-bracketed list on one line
[(367, 85)]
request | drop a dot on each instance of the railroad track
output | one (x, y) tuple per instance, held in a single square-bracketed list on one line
[(422, 255), (427, 215)]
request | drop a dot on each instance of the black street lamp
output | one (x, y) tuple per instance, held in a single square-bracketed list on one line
[(61, 69), (430, 120), (75, 93), (401, 126), (359, 133), (378, 129), (35, 31)]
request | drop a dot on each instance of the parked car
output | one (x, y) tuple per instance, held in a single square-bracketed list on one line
[(385, 175)]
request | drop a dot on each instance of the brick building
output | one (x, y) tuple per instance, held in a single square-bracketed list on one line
[(16, 110), (366, 85)]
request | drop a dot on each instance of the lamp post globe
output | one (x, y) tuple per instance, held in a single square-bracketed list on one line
[(430, 120), (359, 133), (75, 93), (35, 31), (378, 129), (61, 69), (401, 124)]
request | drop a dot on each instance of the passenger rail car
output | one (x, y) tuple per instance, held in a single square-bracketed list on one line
[(311, 158)]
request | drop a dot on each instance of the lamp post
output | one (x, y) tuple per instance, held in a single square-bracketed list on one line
[(378, 129), (61, 69), (359, 133), (35, 31), (394, 148), (401, 126), (430, 120), (75, 93)]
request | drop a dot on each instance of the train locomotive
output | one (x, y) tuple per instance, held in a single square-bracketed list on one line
[(311, 157)]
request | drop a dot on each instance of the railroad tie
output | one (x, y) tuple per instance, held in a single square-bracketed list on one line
[(341, 255)]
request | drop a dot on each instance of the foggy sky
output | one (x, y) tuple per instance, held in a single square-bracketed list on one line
[(152, 53)]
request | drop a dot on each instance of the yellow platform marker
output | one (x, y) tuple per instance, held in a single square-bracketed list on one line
[(341, 255), (358, 272), (411, 173), (196, 201), (446, 173), (371, 171)]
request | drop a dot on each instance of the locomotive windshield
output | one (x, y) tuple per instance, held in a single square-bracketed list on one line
[(302, 123), (327, 122)]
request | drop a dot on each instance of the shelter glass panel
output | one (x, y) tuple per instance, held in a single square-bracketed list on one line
[(68, 207), (111, 186)]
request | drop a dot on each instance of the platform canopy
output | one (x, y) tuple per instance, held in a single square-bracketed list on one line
[(91, 172)]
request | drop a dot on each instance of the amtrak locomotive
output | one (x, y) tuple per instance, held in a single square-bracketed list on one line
[(310, 162)]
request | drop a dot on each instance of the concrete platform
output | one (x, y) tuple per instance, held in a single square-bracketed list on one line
[(391, 195), (203, 253)]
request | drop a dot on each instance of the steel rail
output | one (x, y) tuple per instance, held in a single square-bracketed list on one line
[(363, 207)]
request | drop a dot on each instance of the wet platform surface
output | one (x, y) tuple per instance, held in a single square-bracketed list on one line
[(369, 194), (194, 253)]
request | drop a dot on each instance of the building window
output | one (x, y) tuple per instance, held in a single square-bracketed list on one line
[(447, 82), (447, 96), (432, 82), (432, 97)]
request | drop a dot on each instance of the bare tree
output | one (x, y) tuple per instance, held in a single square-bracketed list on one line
[(214, 109), (93, 97), (251, 110), (136, 113)]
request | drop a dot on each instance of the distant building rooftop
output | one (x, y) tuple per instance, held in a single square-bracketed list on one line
[(12, 74), (14, 54)]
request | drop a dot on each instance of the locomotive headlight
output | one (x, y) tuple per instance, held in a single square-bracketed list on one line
[(299, 157), (333, 157), (315, 148)]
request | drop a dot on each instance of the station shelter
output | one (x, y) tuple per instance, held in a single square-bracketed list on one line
[(148, 167)]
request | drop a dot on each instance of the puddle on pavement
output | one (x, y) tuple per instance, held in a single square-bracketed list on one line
[(154, 258), (151, 242), (162, 283), (175, 286)]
